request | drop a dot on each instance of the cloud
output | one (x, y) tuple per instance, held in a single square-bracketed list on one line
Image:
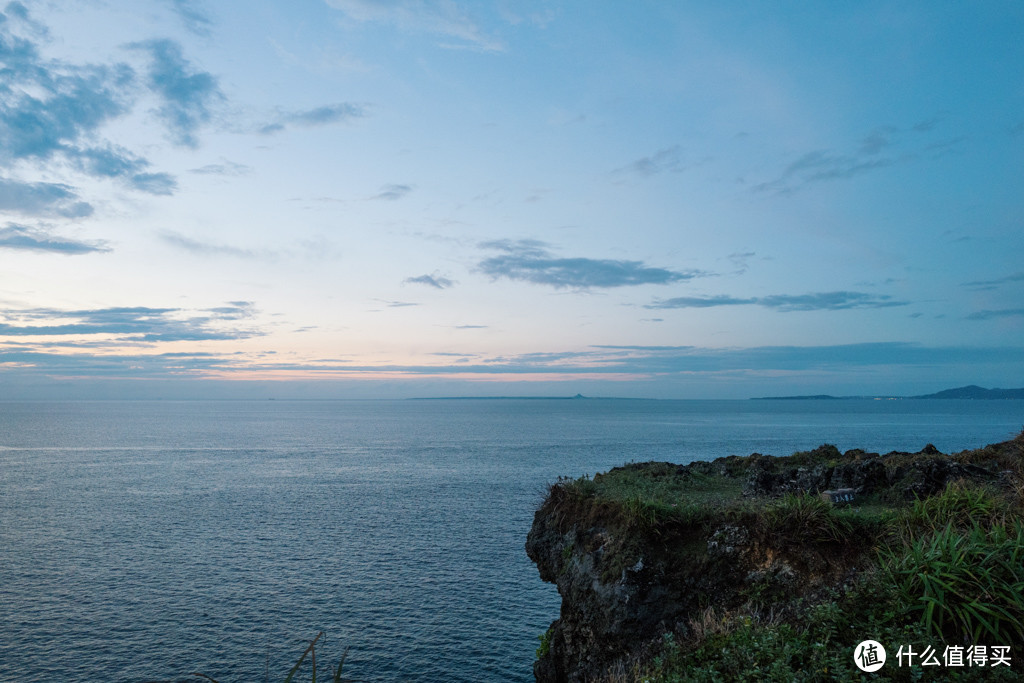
[(53, 112), (471, 327), (131, 324), (684, 359), (154, 183), (436, 17), (878, 140), (340, 112), (613, 362), (530, 261), (927, 125), (192, 17), (997, 313), (435, 281), (878, 150), (50, 106), (392, 192), (187, 95), (823, 301), (666, 160), (332, 113), (42, 199), (394, 304), (700, 302), (225, 168), (993, 284), (107, 162), (204, 248), (116, 162), (24, 238), (821, 165), (741, 261)]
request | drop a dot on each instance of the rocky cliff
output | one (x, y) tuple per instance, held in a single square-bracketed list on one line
[(652, 551)]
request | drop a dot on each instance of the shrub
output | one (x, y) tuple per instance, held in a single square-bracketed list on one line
[(545, 643), (796, 519), (965, 584)]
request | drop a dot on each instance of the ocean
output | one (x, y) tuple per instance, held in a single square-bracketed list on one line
[(144, 541)]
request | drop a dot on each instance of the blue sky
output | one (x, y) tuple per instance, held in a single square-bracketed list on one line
[(363, 198)]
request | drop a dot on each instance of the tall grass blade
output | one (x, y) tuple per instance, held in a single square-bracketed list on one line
[(312, 645)]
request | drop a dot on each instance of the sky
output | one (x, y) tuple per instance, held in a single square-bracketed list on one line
[(410, 198)]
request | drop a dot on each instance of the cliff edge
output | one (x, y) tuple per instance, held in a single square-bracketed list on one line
[(664, 569)]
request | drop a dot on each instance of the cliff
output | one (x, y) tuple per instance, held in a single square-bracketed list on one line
[(662, 568)]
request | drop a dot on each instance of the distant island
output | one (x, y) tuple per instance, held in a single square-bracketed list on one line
[(971, 391)]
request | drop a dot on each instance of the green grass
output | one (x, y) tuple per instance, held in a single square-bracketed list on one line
[(967, 584), (652, 494)]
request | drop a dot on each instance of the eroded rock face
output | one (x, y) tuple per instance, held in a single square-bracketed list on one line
[(622, 588)]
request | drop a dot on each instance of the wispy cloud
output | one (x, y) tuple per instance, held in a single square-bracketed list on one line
[(822, 165), (112, 161), (24, 238), (198, 247), (192, 16), (741, 261), (390, 303), (668, 160), (878, 140), (224, 168), (531, 261), (340, 112), (392, 192), (823, 301), (132, 324), (879, 149), (435, 281), (42, 199), (997, 313), (995, 283), (187, 95), (435, 17), (154, 183)]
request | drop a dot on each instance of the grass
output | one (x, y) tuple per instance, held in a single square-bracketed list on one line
[(310, 652), (645, 496), (945, 568), (967, 585)]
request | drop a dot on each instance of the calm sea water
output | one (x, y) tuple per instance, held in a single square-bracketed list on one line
[(146, 540)]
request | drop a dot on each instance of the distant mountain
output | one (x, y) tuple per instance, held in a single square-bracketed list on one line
[(975, 392), (972, 391)]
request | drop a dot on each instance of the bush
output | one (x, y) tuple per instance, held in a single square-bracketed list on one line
[(967, 585)]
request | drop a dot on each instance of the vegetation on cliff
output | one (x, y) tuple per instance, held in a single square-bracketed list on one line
[(737, 569)]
